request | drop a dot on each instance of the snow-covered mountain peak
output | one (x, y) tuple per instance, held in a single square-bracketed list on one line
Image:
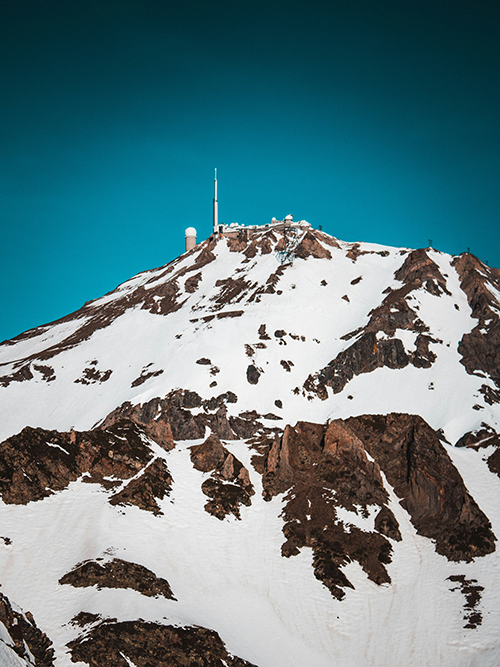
[(261, 432)]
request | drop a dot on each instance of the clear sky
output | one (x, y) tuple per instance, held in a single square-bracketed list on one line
[(377, 119)]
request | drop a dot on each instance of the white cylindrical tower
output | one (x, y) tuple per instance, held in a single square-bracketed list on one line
[(190, 234)]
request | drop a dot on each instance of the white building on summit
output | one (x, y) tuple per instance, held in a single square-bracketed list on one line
[(190, 235)]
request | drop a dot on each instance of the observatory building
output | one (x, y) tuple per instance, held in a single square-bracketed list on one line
[(190, 235)]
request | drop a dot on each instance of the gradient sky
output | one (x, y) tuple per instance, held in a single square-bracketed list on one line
[(377, 119)]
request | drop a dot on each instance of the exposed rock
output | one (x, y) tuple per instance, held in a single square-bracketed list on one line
[(494, 462), (146, 644), (320, 468), (92, 375), (209, 455), (191, 284), (311, 247), (363, 356), (28, 641), (253, 374), (262, 333), (423, 357), (371, 351), (118, 573), (483, 437), (37, 462), (84, 618), (419, 269), (48, 373), (232, 291), (472, 593), (491, 396), (154, 482), (430, 488), (21, 375), (225, 497), (170, 418), (146, 375), (480, 349)]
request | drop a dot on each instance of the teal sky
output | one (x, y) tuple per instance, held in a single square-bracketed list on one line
[(377, 119)]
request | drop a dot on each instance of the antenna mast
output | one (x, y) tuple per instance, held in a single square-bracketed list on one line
[(216, 206)]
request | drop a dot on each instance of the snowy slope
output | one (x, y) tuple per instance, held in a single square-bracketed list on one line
[(226, 319)]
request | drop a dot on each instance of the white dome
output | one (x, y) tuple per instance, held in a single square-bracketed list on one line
[(190, 231)]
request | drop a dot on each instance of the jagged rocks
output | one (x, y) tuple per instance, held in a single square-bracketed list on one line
[(142, 644), (376, 345), (480, 349), (118, 573), (36, 463), (430, 488), (364, 356), (170, 418), (229, 485), (309, 246), (26, 640), (321, 468), (155, 482)]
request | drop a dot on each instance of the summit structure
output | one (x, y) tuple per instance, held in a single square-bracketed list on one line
[(278, 450), (216, 207)]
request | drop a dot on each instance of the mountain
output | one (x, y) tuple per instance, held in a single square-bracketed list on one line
[(278, 450)]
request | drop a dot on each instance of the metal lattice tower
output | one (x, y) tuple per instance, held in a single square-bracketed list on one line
[(291, 236)]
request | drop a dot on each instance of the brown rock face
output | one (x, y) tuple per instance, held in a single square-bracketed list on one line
[(154, 483), (364, 356), (311, 247), (430, 488), (26, 636), (150, 644), (480, 349), (229, 485), (118, 573), (37, 462), (169, 418), (322, 468), (370, 351)]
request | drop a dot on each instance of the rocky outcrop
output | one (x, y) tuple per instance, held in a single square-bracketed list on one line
[(152, 484), (364, 356), (170, 418), (310, 246), (36, 463), (26, 640), (376, 344), (472, 594), (429, 486), (480, 349), (142, 644), (321, 468), (118, 573), (229, 485)]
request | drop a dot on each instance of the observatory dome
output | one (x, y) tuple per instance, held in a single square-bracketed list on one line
[(190, 231)]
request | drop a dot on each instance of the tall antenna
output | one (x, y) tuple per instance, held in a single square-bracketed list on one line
[(216, 206)]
